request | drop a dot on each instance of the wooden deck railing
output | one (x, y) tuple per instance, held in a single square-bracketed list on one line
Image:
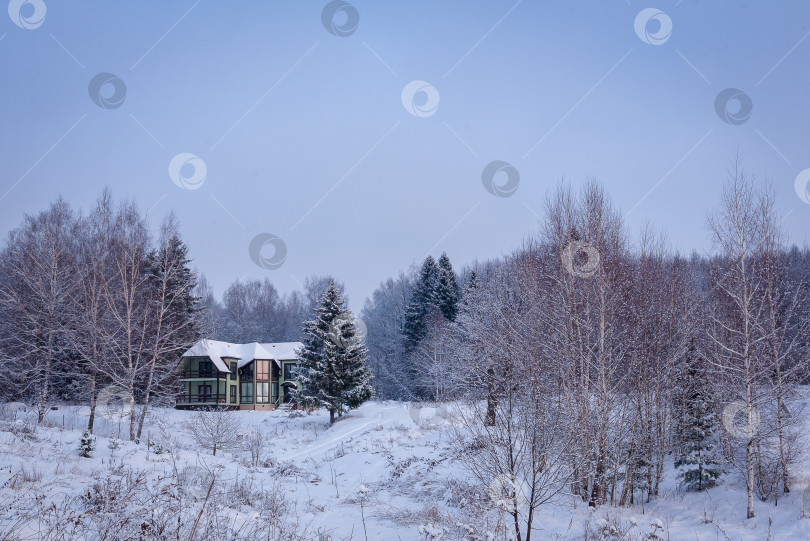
[(202, 398), (212, 374)]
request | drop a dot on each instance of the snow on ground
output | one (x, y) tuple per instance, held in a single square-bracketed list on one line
[(403, 477)]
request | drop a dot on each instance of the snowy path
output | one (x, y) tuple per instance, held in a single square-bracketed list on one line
[(344, 429)]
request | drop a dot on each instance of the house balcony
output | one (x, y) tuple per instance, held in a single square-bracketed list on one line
[(202, 399), (202, 374)]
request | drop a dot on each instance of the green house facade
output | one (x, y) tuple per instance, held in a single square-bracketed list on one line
[(240, 376)]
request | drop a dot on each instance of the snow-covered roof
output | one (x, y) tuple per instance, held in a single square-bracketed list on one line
[(243, 353)]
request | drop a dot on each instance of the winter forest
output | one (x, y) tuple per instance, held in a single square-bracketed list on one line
[(340, 270), (589, 363)]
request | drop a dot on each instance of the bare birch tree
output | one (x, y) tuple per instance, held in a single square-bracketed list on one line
[(126, 302), (90, 317), (738, 233)]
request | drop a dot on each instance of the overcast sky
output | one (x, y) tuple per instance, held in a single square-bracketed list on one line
[(298, 120)]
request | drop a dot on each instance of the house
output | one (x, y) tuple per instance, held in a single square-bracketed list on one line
[(241, 376)]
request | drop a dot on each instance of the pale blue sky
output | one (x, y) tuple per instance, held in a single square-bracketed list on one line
[(281, 112)]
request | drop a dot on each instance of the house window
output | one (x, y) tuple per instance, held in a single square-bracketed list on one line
[(233, 370), (247, 392), (274, 397), (203, 393), (262, 393), (289, 371), (233, 394), (206, 368), (246, 372), (263, 370)]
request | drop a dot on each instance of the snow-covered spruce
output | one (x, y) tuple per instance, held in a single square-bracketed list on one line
[(332, 370)]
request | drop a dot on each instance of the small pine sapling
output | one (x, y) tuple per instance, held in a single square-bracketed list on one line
[(87, 444)]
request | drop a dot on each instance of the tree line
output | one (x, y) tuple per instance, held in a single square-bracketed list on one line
[(254, 310), (586, 359)]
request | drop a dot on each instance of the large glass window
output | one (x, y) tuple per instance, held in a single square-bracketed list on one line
[(262, 370), (289, 371), (247, 392), (262, 393), (233, 370)]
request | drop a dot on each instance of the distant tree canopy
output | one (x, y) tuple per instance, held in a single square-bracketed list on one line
[(254, 311)]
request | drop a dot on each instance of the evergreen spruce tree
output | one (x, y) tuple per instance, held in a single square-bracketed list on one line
[(86, 444), (351, 358), (472, 282), (423, 300), (313, 365), (447, 290), (182, 305), (700, 469), (333, 371), (642, 469)]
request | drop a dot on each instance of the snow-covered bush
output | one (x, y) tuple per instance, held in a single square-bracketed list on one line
[(254, 444), (87, 444), (13, 411), (431, 533), (20, 429), (213, 429)]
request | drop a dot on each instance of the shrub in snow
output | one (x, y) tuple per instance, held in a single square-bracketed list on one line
[(608, 528), (656, 531), (288, 469), (431, 533), (193, 482), (158, 449), (113, 444), (13, 410), (214, 428), (244, 490), (86, 444), (19, 429), (254, 444)]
